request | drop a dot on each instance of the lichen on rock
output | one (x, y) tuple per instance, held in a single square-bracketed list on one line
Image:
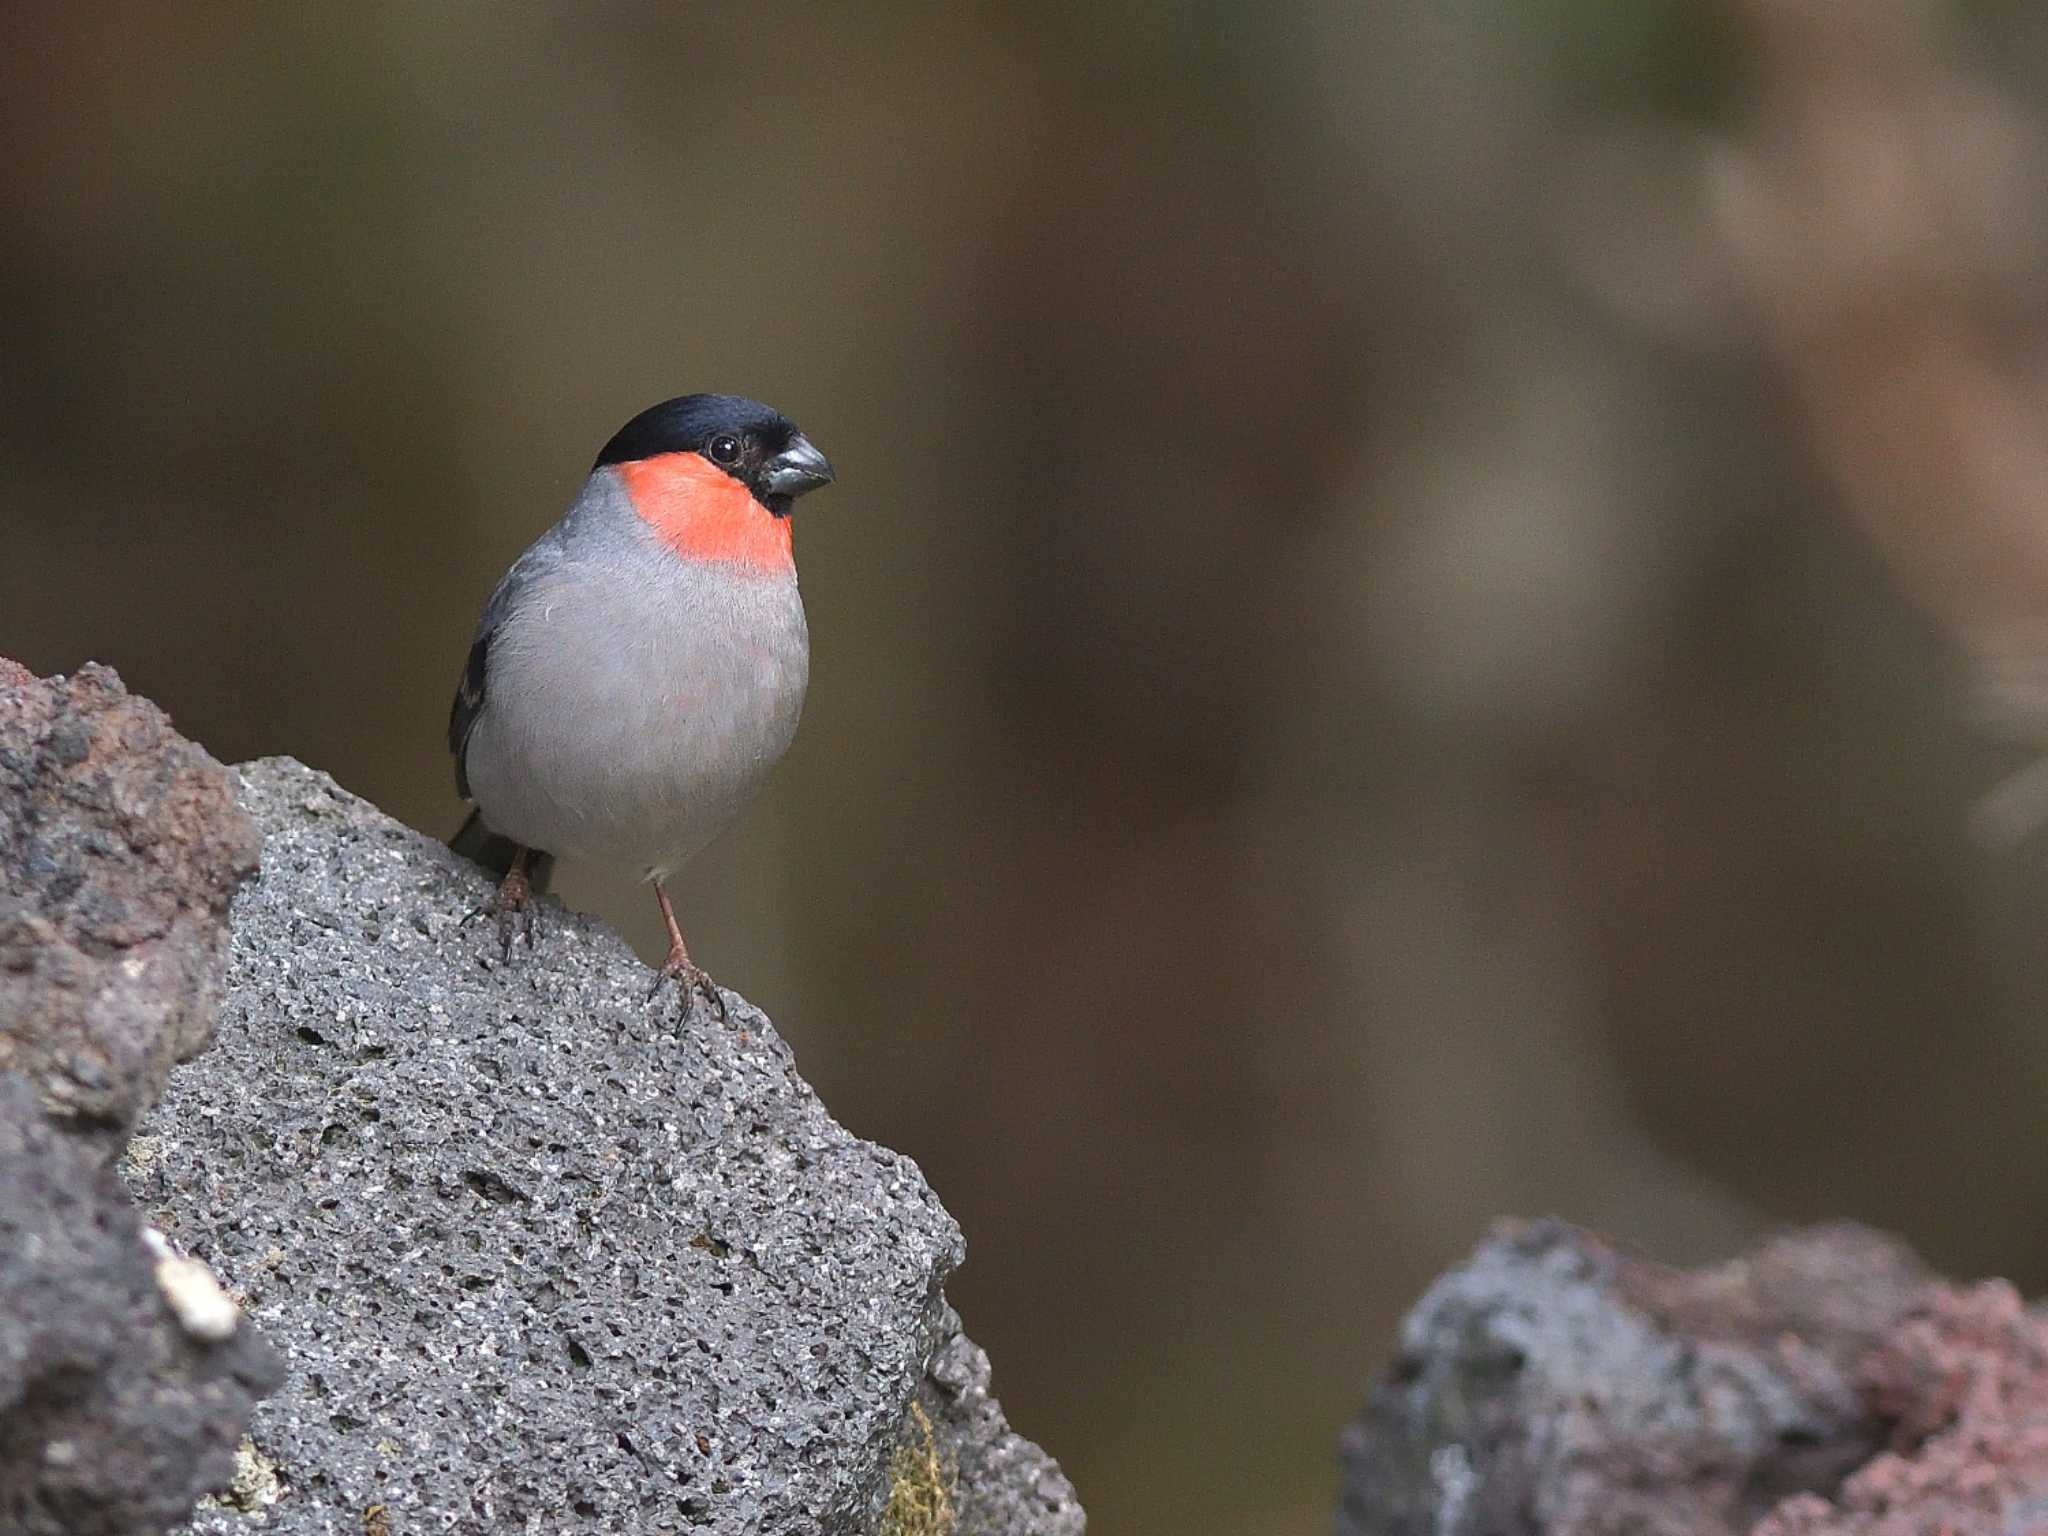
[(922, 1479)]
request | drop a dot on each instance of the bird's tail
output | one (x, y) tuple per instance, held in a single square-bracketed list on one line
[(478, 843)]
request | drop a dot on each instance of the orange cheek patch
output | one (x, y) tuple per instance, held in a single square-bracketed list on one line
[(702, 513)]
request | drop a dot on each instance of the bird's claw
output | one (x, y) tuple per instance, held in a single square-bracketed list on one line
[(512, 905), (515, 924), (693, 982)]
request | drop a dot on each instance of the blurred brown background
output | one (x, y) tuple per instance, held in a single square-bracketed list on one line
[(1419, 603)]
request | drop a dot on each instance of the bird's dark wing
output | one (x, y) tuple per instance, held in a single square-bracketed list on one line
[(469, 702), (476, 840), (474, 688)]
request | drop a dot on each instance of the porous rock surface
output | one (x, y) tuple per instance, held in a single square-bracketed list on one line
[(1964, 1384), (543, 1257), (125, 1377), (114, 1417), (1004, 1482), (120, 848), (1823, 1385)]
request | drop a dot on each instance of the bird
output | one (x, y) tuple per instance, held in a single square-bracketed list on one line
[(641, 668)]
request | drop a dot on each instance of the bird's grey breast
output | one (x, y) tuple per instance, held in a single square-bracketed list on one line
[(637, 699)]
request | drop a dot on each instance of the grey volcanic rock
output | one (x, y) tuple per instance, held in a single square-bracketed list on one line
[(542, 1257), (125, 1378), (113, 1416), (1005, 1483), (120, 846), (1553, 1385)]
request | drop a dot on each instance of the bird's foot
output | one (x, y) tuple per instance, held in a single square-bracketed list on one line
[(679, 968), (512, 905)]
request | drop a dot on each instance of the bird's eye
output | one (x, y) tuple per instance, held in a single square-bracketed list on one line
[(724, 449)]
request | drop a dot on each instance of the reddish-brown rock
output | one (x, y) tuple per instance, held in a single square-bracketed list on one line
[(1821, 1386), (120, 848), (126, 1378), (1964, 1382)]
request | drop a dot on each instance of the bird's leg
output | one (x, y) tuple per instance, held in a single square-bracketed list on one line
[(511, 904), (679, 964), (515, 903)]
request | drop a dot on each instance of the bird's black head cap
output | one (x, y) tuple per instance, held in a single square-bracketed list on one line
[(750, 441), (687, 424)]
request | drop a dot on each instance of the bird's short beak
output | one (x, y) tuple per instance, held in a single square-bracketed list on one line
[(798, 468)]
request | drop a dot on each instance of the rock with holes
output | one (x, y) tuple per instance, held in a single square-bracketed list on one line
[(125, 1372), (120, 847), (543, 1258), (1963, 1385), (124, 1378), (1003, 1482), (1551, 1384)]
